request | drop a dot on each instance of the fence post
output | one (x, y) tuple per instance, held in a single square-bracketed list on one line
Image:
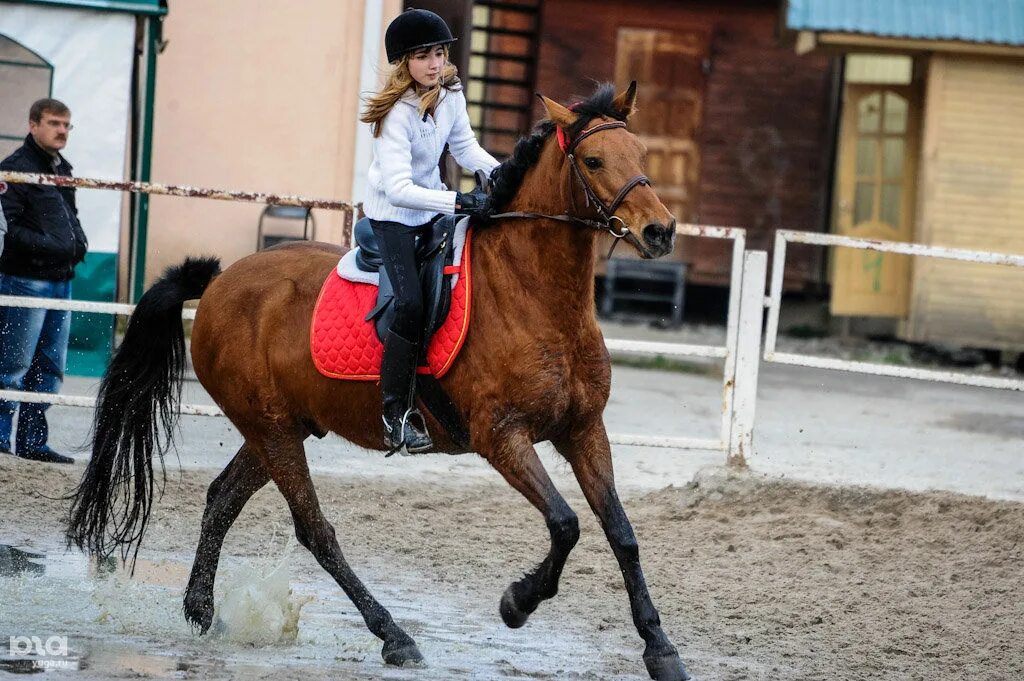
[(739, 247), (748, 356)]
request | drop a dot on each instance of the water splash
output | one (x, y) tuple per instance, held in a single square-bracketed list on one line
[(260, 609)]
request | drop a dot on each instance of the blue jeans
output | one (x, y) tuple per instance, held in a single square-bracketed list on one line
[(33, 354)]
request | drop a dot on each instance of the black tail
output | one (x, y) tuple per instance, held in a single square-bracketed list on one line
[(138, 397)]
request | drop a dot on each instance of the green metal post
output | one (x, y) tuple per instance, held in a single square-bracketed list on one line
[(145, 162)]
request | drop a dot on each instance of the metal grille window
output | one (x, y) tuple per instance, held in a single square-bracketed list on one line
[(502, 72), (24, 78)]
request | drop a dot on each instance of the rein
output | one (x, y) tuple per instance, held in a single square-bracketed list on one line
[(606, 213)]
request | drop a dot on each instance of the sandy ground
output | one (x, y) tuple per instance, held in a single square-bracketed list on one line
[(755, 578)]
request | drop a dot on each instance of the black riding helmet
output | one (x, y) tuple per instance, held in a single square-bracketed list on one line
[(413, 29)]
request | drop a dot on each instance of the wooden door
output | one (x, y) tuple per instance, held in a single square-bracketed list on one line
[(669, 69), (878, 152)]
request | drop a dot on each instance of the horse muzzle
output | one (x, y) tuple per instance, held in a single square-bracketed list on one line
[(658, 239)]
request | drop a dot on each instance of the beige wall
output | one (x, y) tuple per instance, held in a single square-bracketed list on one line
[(971, 189), (251, 95)]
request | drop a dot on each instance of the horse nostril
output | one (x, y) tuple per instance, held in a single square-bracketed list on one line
[(656, 234)]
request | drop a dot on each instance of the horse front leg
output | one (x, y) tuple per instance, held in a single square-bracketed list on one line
[(589, 454), (518, 463)]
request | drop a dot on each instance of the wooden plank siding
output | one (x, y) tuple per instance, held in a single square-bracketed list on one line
[(764, 141), (972, 196)]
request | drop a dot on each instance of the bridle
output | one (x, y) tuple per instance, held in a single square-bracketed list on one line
[(606, 212)]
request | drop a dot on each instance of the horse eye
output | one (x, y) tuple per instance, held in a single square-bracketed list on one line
[(592, 162)]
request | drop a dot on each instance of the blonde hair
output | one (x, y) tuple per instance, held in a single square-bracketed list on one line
[(398, 82)]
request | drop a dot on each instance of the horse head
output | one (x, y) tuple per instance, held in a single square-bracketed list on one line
[(603, 171)]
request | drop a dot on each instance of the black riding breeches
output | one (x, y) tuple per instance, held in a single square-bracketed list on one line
[(397, 244)]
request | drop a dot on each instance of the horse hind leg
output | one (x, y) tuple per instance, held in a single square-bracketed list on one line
[(522, 468), (286, 459), (227, 495)]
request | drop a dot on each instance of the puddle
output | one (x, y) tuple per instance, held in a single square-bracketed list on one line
[(14, 561), (64, 611), (267, 622), (75, 565)]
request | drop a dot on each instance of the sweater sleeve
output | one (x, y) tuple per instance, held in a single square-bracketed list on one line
[(394, 151), (462, 142)]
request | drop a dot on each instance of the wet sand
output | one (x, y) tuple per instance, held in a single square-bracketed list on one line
[(755, 579)]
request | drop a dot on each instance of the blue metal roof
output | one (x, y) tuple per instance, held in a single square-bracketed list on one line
[(976, 21)]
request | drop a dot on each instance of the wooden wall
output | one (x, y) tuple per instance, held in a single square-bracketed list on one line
[(971, 189), (765, 139)]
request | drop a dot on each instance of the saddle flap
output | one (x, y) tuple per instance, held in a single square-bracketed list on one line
[(345, 345)]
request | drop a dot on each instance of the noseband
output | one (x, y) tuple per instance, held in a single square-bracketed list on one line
[(606, 212)]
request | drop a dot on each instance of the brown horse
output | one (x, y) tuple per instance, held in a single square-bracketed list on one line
[(534, 367)]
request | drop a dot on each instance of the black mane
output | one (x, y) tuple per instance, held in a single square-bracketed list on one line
[(508, 177)]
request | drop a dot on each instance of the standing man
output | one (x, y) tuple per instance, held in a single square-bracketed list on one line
[(44, 242)]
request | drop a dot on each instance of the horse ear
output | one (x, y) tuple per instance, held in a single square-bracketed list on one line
[(561, 116), (624, 102)]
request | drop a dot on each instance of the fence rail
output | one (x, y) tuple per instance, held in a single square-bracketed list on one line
[(175, 190)]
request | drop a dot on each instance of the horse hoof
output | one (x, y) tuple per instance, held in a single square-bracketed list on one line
[(510, 613), (666, 667), (198, 615), (401, 652)]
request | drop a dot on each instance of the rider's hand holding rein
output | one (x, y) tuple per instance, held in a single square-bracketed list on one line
[(476, 203), (420, 109)]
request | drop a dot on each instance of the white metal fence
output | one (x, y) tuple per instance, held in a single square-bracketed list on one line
[(774, 304), (734, 373), (740, 355), (739, 358)]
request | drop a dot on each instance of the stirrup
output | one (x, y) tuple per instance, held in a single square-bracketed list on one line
[(405, 425)]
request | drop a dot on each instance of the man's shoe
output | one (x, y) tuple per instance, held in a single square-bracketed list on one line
[(46, 455)]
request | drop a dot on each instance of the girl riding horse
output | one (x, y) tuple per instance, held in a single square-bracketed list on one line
[(533, 368), (420, 109)]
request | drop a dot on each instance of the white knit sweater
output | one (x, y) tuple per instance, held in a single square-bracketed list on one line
[(404, 183)]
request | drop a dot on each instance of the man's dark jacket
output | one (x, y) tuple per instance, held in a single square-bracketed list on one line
[(44, 238)]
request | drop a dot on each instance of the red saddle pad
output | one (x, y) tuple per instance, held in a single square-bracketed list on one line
[(345, 345)]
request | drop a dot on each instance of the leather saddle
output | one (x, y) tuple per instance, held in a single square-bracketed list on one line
[(435, 250)]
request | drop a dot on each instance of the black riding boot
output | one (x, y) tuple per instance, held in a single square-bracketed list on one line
[(403, 423)]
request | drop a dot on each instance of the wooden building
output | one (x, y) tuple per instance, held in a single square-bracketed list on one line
[(931, 151), (737, 125)]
